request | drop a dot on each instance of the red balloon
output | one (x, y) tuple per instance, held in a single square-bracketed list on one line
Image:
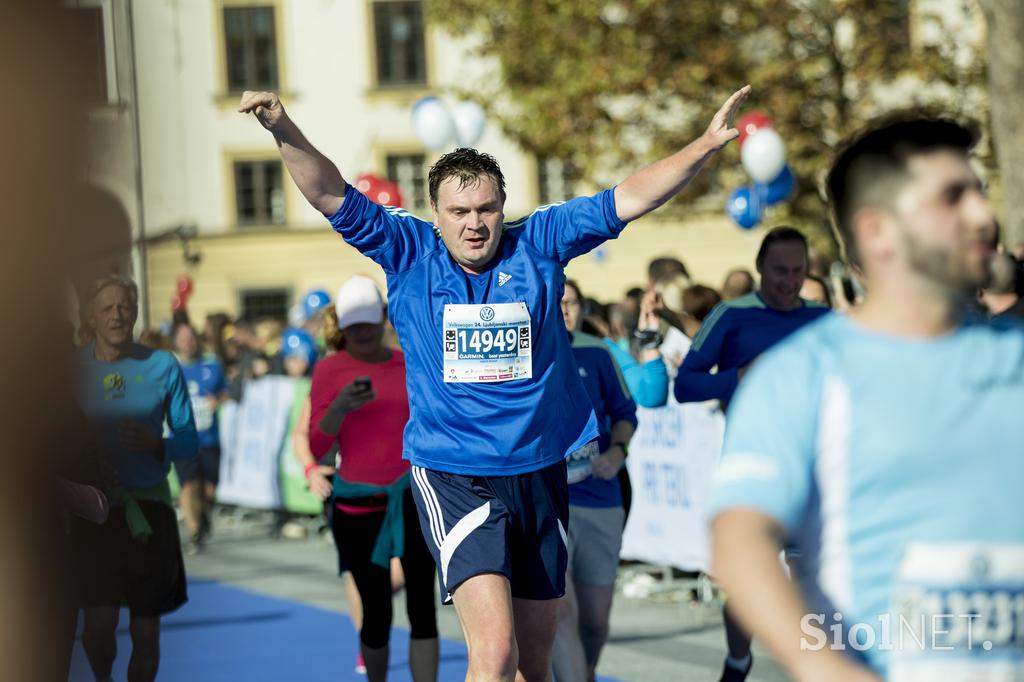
[(389, 195), (184, 285), (379, 190), (752, 122)]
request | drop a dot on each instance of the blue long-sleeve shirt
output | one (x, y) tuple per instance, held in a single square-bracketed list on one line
[(731, 337), (612, 403), (648, 382), (507, 420), (148, 387)]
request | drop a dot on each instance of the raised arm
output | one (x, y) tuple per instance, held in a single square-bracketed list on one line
[(650, 187), (314, 174)]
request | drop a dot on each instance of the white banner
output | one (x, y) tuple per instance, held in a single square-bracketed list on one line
[(672, 460), (251, 434)]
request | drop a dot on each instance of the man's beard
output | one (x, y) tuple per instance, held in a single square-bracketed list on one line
[(946, 268)]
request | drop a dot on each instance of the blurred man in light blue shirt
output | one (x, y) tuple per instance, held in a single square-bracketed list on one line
[(887, 446)]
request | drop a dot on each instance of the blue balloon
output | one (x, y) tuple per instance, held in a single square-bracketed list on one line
[(296, 341), (314, 301), (779, 189), (744, 207)]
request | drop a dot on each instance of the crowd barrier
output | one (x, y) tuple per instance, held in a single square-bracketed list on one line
[(672, 459)]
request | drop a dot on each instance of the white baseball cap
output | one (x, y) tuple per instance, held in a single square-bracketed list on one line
[(359, 302)]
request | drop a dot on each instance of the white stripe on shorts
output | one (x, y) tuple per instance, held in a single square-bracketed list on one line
[(430, 504), (460, 531)]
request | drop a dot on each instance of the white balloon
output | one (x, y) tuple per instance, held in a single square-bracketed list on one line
[(763, 155), (432, 123), (469, 123)]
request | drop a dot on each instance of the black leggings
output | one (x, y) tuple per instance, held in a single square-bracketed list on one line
[(354, 536)]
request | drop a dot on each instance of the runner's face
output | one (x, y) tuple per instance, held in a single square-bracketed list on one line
[(113, 316), (185, 342), (947, 229), (364, 340), (782, 274), (470, 220), (571, 307)]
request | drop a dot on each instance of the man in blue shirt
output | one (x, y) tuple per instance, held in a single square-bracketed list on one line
[(198, 476), (596, 512), (887, 445), (495, 402), (739, 330), (730, 338)]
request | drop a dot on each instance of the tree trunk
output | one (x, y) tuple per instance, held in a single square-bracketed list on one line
[(1005, 19)]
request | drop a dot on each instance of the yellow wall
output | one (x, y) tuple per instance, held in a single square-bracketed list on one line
[(299, 259), (710, 246), (302, 259)]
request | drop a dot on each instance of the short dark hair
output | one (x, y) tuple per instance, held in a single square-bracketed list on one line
[(732, 289), (468, 165), (783, 233), (665, 268), (699, 301), (872, 167), (571, 283)]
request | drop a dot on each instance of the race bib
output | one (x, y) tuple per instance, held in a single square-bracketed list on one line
[(202, 412), (958, 614), (201, 409), (486, 343), (580, 462)]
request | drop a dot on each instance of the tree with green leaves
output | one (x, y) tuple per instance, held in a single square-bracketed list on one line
[(607, 85)]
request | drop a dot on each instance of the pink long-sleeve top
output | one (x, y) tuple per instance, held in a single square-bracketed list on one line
[(370, 438)]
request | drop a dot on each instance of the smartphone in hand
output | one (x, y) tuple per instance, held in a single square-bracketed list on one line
[(363, 383)]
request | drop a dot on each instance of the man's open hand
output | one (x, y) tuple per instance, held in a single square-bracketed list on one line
[(267, 107), (721, 132)]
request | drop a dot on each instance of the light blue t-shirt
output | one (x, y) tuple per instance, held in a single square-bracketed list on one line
[(897, 467)]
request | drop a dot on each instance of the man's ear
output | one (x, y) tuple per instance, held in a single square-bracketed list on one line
[(872, 230)]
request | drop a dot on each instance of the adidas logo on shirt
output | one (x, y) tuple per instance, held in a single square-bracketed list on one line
[(503, 278)]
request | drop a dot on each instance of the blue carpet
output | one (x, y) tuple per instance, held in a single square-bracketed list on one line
[(226, 634)]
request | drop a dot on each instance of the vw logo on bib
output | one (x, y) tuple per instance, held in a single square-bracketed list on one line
[(484, 343)]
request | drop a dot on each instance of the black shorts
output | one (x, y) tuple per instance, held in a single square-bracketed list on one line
[(510, 525), (112, 569), (206, 466)]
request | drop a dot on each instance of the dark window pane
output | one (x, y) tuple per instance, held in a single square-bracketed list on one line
[(259, 194), (408, 171), (258, 304), (401, 55), (554, 180), (251, 45)]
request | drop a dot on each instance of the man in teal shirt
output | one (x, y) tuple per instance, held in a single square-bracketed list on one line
[(128, 393)]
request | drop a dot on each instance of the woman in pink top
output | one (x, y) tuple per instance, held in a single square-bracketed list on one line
[(358, 400)]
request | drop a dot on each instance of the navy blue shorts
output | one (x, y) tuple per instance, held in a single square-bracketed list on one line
[(510, 525)]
